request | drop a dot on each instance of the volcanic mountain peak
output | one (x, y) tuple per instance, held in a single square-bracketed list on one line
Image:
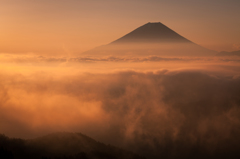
[(151, 39), (152, 33)]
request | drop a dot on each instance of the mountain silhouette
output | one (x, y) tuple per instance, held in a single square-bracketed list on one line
[(152, 33), (61, 146), (151, 39)]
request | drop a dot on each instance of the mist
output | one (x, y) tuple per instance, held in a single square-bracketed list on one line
[(155, 106)]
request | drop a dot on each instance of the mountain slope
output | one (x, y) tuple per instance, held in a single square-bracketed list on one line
[(61, 145), (151, 39), (152, 33)]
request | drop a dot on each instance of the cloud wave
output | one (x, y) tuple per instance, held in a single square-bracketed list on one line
[(161, 114)]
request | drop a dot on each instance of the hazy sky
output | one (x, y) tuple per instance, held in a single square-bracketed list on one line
[(73, 26)]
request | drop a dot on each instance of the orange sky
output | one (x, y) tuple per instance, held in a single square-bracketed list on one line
[(67, 27)]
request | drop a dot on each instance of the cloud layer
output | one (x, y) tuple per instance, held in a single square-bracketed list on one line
[(36, 59), (157, 114)]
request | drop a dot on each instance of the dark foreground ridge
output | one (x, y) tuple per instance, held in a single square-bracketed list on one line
[(61, 146)]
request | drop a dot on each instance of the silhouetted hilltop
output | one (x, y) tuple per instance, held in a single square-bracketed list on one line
[(151, 39), (60, 146), (225, 53), (152, 33)]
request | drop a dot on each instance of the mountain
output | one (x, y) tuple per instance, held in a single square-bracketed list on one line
[(61, 146), (151, 39), (152, 33), (225, 53)]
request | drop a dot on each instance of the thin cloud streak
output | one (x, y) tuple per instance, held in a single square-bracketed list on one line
[(34, 59)]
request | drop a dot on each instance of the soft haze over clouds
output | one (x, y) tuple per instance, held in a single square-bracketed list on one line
[(164, 113), (158, 106), (180, 105), (73, 26)]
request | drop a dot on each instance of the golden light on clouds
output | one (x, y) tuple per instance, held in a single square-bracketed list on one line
[(143, 93)]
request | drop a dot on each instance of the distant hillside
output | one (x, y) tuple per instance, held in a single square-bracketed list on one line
[(225, 53), (60, 146), (151, 39)]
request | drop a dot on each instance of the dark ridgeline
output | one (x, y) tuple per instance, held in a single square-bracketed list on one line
[(61, 146), (6, 154), (78, 146), (152, 33), (151, 39)]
